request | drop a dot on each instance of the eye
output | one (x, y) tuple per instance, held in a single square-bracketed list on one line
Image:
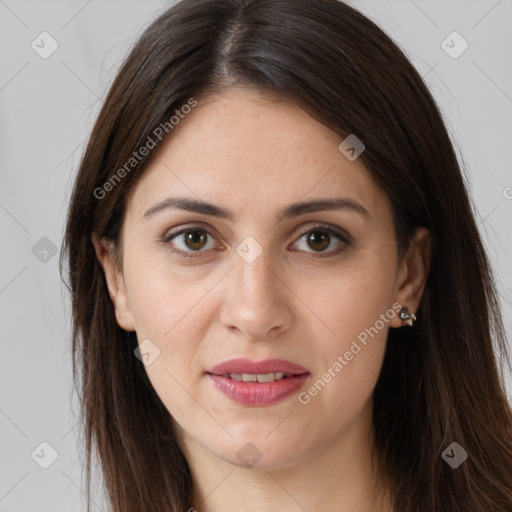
[(191, 241), (319, 238)]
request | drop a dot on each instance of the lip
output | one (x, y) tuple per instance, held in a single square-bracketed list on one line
[(258, 393), (241, 365)]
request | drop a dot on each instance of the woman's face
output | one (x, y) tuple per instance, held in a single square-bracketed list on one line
[(270, 279)]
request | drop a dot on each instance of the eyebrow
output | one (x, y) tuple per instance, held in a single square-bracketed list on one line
[(292, 210)]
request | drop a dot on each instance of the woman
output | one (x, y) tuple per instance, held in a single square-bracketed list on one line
[(281, 300)]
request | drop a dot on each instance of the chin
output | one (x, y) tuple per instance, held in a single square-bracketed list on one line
[(259, 452)]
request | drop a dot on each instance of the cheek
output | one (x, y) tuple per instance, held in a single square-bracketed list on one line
[(163, 296), (352, 298), (169, 306), (356, 306)]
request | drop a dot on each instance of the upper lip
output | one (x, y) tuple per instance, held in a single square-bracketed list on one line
[(241, 365)]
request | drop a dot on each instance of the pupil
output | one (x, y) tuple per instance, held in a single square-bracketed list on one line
[(195, 237), (317, 240), (319, 237)]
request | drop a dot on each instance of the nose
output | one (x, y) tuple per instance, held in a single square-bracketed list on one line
[(257, 299)]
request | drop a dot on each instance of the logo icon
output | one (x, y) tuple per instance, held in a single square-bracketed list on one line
[(44, 250), (352, 147), (249, 249), (249, 455), (454, 455), (44, 45), (147, 352), (454, 45), (44, 455)]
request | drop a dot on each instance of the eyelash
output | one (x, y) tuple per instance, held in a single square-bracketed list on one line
[(345, 239)]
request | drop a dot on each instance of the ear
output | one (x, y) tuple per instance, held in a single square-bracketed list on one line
[(413, 273), (115, 282)]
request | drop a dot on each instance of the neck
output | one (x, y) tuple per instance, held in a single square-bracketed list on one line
[(341, 478)]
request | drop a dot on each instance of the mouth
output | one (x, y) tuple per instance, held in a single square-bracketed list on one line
[(257, 377), (240, 366), (258, 383)]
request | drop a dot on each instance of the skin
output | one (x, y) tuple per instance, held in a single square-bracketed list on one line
[(254, 155)]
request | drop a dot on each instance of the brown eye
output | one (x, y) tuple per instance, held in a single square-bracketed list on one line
[(195, 239), (189, 241), (318, 240)]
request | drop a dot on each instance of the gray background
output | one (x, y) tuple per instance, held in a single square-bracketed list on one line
[(47, 110)]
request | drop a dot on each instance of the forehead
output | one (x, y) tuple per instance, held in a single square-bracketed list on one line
[(254, 153)]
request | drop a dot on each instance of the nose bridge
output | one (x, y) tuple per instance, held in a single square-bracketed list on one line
[(256, 303), (255, 273)]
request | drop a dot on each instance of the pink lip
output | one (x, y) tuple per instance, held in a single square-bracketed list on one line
[(258, 393), (248, 366)]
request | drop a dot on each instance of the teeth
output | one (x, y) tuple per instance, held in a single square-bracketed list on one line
[(266, 377), (260, 377)]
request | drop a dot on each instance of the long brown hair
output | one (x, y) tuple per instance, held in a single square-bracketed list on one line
[(440, 381)]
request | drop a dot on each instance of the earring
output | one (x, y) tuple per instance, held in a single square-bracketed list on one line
[(406, 316)]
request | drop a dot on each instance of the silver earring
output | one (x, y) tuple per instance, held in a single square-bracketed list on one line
[(406, 316)]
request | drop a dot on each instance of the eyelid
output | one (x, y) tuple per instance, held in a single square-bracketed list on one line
[(343, 236), (169, 235), (331, 228)]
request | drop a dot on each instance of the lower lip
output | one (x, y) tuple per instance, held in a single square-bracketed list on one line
[(258, 393)]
